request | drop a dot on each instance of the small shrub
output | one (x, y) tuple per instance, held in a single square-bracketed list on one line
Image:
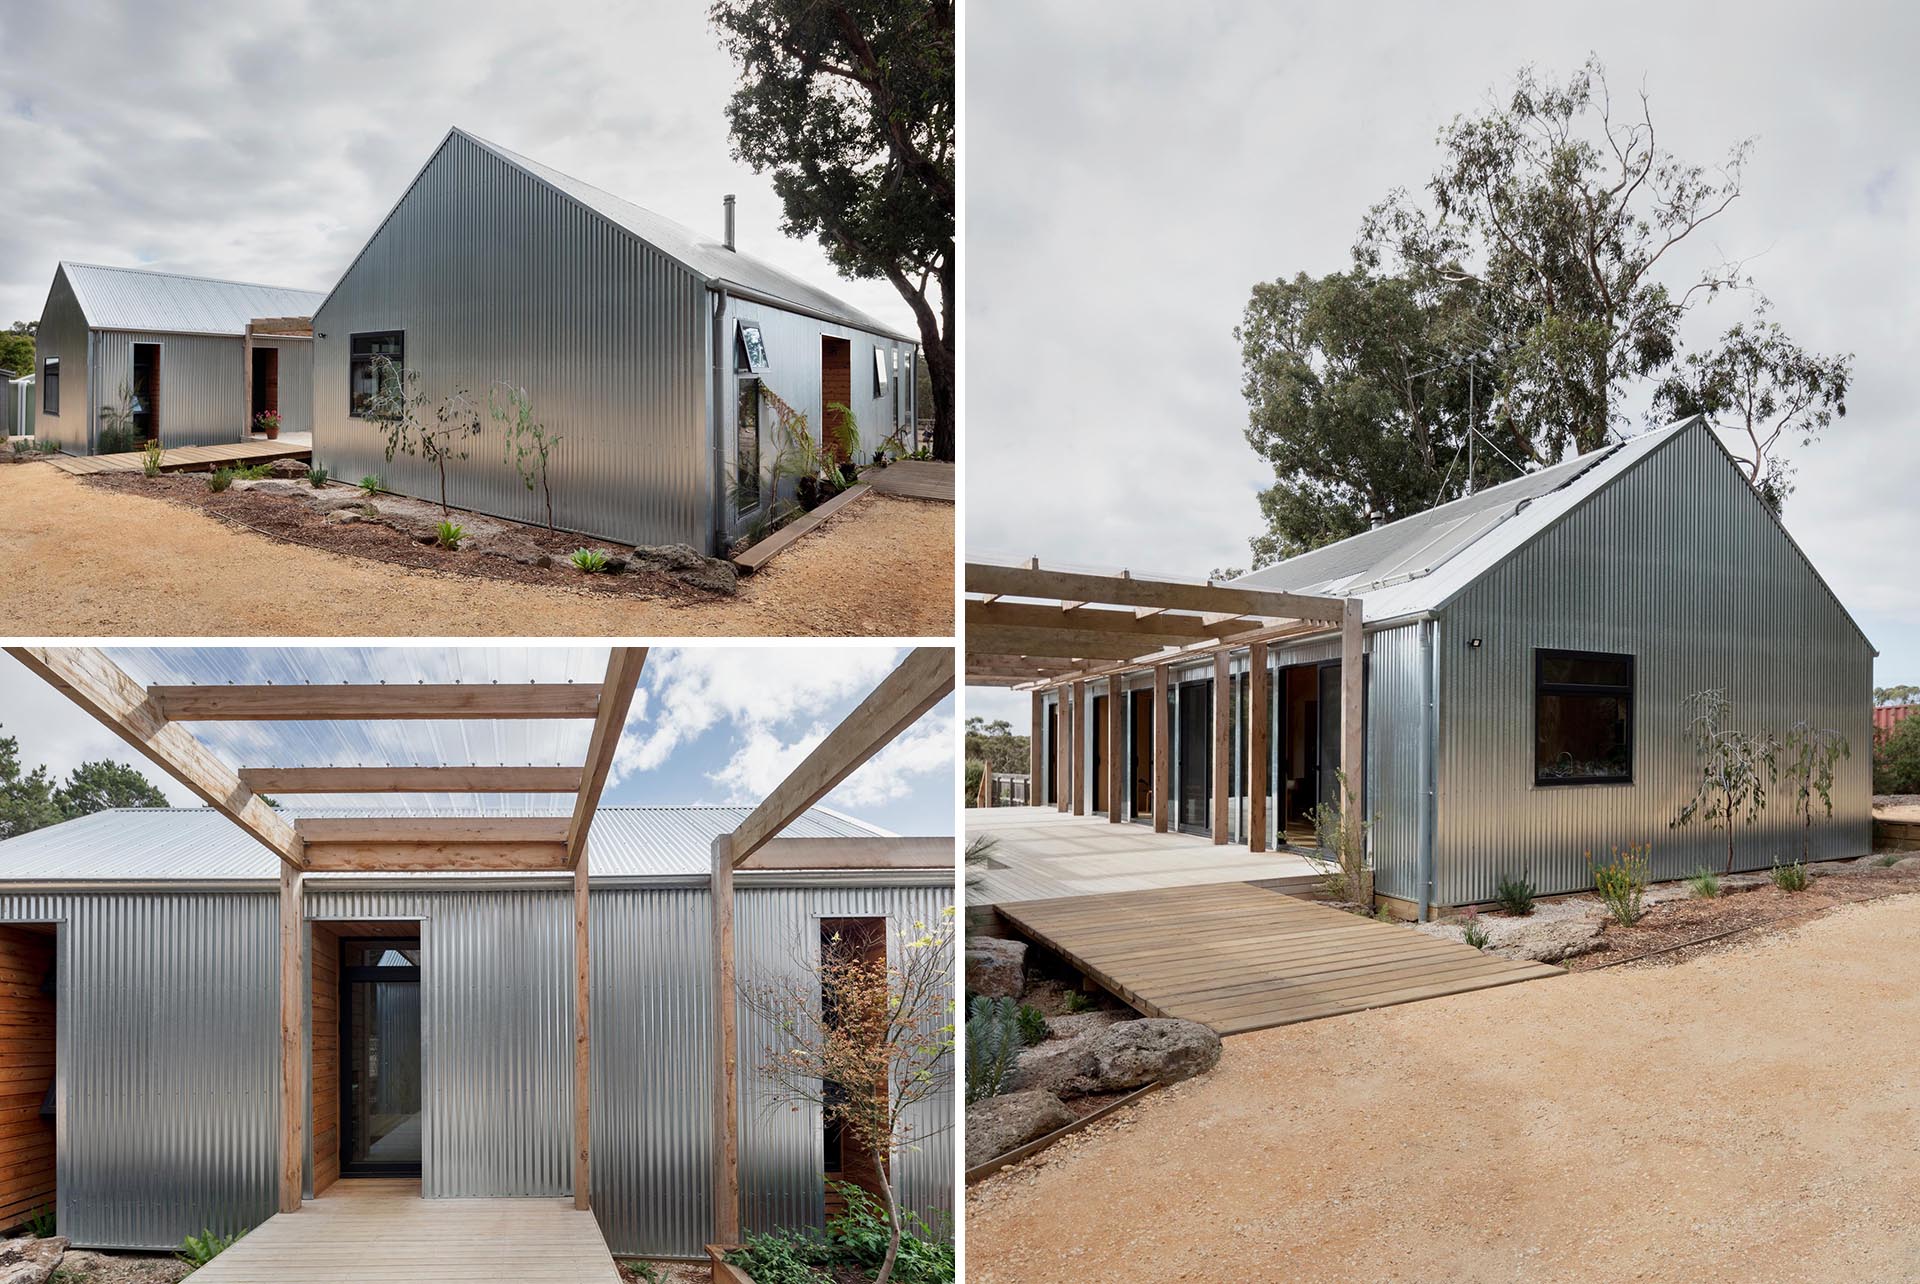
[(197, 1250), (219, 479), (1079, 1001), (1515, 896), (781, 1257), (47, 447), (993, 1040), (449, 534), (316, 477), (859, 1237), (1622, 883), (252, 472), (1704, 885), (1474, 934), (1033, 1025), (1889, 860), (1790, 878), (647, 1271), (150, 459), (590, 560), (41, 1223), (22, 446), (370, 484)]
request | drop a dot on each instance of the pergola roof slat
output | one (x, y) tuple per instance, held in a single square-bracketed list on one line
[(411, 780), (375, 701)]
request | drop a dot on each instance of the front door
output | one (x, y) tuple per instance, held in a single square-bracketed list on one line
[(266, 383), (380, 1071), (1141, 741), (1100, 706), (146, 390), (1193, 757), (836, 395)]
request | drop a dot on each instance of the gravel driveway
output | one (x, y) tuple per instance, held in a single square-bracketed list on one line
[(1750, 1115)]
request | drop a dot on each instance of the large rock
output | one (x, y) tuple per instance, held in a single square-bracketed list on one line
[(1549, 941), (996, 1125), (80, 1266), (28, 1260), (268, 486), (332, 501), (1075, 1024), (685, 563), (996, 967), (1119, 1058)]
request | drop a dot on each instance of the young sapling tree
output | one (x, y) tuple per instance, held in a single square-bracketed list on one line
[(1733, 767), (530, 443), (1807, 762)]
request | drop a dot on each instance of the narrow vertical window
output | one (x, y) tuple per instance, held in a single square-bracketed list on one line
[(746, 448), (879, 372), (50, 386), (853, 958)]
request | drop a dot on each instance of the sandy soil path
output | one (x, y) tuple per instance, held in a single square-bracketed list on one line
[(80, 561), (1750, 1115)]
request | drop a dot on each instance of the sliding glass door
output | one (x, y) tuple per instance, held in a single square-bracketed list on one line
[(380, 1071)]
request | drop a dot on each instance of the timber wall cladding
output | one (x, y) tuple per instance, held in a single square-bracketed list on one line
[(325, 956), (26, 1072)]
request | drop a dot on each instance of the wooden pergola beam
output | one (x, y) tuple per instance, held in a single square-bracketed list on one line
[(921, 681), (93, 681), (1125, 590), (432, 829), (851, 853), (420, 858), (624, 664), (1067, 643), (375, 702), (411, 780), (1181, 626)]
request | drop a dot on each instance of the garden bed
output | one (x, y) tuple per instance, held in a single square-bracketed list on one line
[(495, 549)]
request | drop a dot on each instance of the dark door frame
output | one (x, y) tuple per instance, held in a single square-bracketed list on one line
[(1140, 754), (349, 975)]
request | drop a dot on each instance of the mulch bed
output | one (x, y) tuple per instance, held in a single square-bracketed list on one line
[(288, 519), (1676, 931)]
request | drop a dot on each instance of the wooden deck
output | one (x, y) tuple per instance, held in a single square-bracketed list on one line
[(186, 458), (1239, 958), (913, 479), (380, 1231)]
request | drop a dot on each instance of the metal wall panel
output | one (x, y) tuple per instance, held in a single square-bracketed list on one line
[(1394, 779), (495, 276), (296, 382), (168, 1062), (203, 399), (63, 334), (795, 375), (781, 1159), (1677, 564)]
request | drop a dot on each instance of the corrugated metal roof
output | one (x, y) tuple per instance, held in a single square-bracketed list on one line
[(1419, 562), (198, 844), (116, 298), (705, 255)]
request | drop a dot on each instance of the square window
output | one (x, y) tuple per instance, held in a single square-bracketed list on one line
[(1583, 718), (372, 358)]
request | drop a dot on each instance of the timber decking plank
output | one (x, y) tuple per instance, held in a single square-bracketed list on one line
[(752, 559), (184, 458), (913, 479), (1238, 957)]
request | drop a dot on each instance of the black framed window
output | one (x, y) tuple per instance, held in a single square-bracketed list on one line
[(746, 448), (364, 365), (50, 386), (749, 348), (879, 372), (1582, 718)]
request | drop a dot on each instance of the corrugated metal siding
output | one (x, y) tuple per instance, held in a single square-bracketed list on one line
[(652, 1066), (296, 383), (496, 1033), (493, 275), (795, 376), (777, 932), (63, 334), (203, 398), (1679, 565), (168, 1083), (1395, 732)]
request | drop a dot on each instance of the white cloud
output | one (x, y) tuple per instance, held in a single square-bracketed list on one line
[(52, 731), (764, 759)]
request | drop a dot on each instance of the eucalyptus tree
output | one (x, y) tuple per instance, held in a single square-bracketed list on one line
[(1733, 767)]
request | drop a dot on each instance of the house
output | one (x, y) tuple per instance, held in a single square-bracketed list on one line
[(1528, 652), (142, 948), (191, 359), (663, 358)]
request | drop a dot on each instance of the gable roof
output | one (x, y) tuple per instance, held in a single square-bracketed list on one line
[(189, 845), (1422, 562), (117, 298)]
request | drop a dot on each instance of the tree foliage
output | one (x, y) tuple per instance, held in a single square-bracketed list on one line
[(30, 800), (1733, 767), (1539, 268), (26, 797), (17, 350), (1896, 695), (1896, 760), (849, 106)]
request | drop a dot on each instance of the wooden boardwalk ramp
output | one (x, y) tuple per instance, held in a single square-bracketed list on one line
[(380, 1231), (1238, 957), (186, 458)]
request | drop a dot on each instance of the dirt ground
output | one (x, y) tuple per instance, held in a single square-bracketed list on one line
[(1750, 1114), (87, 561)]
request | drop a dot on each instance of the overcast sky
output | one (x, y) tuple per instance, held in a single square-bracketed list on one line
[(1130, 179), (264, 142), (708, 725)]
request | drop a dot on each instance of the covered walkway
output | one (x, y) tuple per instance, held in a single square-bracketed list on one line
[(380, 1231)]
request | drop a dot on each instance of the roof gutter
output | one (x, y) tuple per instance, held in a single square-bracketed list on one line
[(786, 305)]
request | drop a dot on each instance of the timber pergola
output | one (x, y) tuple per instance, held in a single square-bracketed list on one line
[(1040, 630), (153, 719), (903, 697)]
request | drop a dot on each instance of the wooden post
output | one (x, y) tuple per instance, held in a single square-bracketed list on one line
[(1077, 768), (1063, 739), (1033, 750), (726, 1105), (1353, 742), (1117, 775), (1222, 744), (246, 383), (1162, 765), (293, 1085), (582, 1044), (1257, 748)]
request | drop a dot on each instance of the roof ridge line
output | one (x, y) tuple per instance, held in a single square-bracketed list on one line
[(188, 276)]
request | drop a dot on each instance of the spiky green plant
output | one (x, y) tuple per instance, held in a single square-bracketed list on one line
[(150, 459), (370, 484), (1704, 884), (219, 479), (197, 1250), (993, 1041), (449, 534), (590, 560)]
